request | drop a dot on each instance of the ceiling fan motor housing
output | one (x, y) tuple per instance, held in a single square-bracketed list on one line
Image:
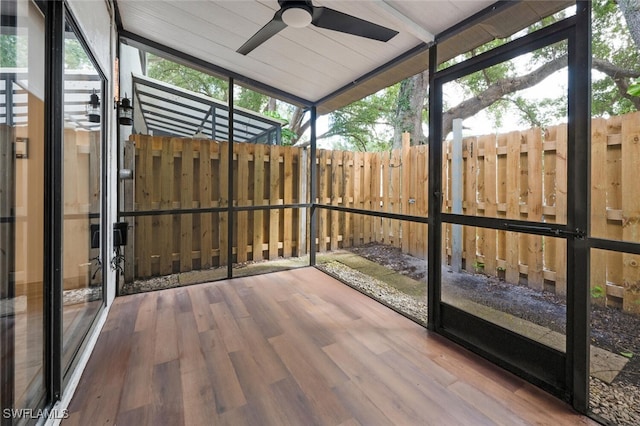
[(296, 14)]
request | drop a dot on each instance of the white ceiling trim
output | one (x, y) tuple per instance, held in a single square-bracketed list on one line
[(409, 24)]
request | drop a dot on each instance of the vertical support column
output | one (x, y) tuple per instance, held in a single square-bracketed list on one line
[(578, 295), (54, 93), (456, 194), (230, 195), (313, 223), (435, 194)]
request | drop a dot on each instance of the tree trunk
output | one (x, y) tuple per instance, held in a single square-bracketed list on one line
[(631, 11), (411, 102), (296, 125), (271, 105)]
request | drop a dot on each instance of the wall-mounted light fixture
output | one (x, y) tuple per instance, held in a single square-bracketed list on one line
[(93, 108), (125, 111)]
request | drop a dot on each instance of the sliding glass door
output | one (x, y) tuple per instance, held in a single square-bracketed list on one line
[(51, 204), (22, 163)]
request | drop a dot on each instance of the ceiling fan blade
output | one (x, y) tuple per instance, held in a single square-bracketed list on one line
[(331, 19), (272, 28)]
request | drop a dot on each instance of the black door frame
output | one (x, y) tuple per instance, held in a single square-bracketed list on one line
[(564, 374)]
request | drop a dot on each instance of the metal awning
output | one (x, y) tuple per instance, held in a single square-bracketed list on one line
[(78, 87), (169, 110)]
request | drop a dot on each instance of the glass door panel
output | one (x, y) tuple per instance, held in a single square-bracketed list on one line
[(22, 159), (82, 194)]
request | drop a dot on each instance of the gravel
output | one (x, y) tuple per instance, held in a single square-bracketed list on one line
[(409, 306), (618, 403)]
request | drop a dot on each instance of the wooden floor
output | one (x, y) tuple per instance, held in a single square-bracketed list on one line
[(290, 348)]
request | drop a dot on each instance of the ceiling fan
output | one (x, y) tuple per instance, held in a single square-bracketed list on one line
[(301, 13)]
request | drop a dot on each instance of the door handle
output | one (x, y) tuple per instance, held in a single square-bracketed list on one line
[(557, 232)]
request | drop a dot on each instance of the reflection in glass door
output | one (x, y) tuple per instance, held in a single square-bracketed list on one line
[(82, 150), (22, 159)]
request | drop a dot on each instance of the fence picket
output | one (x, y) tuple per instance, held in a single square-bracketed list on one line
[(287, 190), (223, 218), (243, 232), (535, 264), (512, 240), (186, 202), (561, 208), (167, 179), (274, 199), (630, 210), (204, 180), (470, 155)]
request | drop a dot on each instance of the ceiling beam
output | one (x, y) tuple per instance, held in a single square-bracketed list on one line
[(411, 26)]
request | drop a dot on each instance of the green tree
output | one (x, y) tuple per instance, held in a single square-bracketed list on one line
[(365, 125), (187, 78), (13, 51)]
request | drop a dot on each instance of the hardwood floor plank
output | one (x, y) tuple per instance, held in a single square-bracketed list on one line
[(146, 317), (365, 411), (166, 329), (137, 391), (294, 401), (183, 301), (380, 395), (137, 416), (291, 348), (227, 327), (198, 398), (294, 337), (98, 398), (310, 320), (227, 392), (167, 407), (233, 301), (201, 307), (496, 411), (309, 376), (263, 352), (190, 354), (263, 312)]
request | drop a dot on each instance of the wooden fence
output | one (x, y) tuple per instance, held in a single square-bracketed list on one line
[(176, 173), (519, 175)]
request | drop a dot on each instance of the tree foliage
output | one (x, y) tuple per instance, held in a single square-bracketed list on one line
[(364, 125)]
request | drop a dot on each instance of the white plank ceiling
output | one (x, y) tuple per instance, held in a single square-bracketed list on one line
[(310, 63)]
